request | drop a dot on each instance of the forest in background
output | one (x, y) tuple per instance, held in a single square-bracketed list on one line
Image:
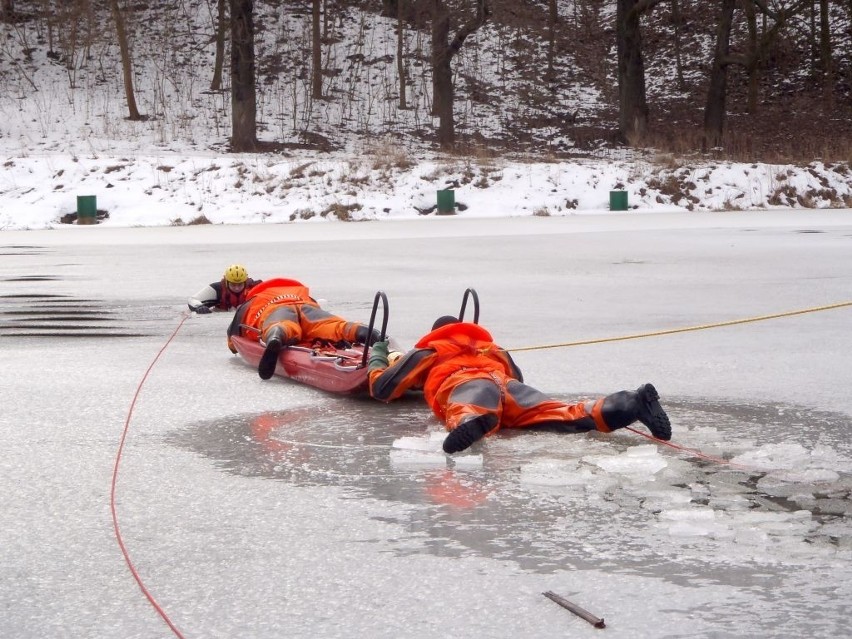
[(749, 80)]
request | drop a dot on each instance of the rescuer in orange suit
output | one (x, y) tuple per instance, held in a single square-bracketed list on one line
[(281, 312), (475, 388)]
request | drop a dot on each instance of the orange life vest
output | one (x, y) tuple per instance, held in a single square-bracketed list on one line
[(269, 294), (229, 299), (459, 347)]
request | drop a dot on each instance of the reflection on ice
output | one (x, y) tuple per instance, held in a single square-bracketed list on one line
[(520, 486)]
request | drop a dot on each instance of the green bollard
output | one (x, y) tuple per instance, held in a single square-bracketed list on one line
[(87, 209), (618, 200), (446, 202)]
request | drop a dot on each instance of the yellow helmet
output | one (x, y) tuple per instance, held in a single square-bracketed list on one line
[(236, 274)]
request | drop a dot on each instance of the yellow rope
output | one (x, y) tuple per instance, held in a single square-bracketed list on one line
[(685, 329)]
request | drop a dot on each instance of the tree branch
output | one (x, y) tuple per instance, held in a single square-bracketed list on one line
[(642, 6), (483, 12)]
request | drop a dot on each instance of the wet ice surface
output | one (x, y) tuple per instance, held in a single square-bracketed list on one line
[(790, 499), (267, 509), (550, 503)]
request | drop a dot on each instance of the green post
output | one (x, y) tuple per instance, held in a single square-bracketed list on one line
[(87, 209), (446, 202), (618, 200)]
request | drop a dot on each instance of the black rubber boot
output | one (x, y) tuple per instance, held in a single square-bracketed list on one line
[(651, 413), (625, 407), (274, 342), (468, 432)]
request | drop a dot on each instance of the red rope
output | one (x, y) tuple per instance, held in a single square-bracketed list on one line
[(691, 451), (118, 537)]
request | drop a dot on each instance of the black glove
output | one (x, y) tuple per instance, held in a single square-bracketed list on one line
[(203, 310), (362, 336), (378, 356)]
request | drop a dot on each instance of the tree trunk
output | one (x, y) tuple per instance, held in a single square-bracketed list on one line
[(814, 40), (715, 110), (552, 22), (325, 18), (243, 90), (442, 79), (825, 54), (316, 52), (754, 57), (676, 20), (390, 8), (632, 104), (219, 62), (126, 62), (400, 53), (442, 55), (7, 11)]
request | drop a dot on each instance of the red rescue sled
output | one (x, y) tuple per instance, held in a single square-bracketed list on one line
[(333, 368)]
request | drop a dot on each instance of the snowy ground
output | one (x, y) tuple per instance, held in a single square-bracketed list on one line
[(266, 509), (38, 190)]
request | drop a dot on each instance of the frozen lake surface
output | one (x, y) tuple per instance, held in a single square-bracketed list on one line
[(268, 509)]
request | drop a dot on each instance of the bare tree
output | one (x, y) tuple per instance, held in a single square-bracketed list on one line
[(715, 110), (552, 25), (390, 8), (442, 55), (126, 62), (826, 62), (754, 59), (632, 103), (7, 11), (676, 25), (221, 30), (243, 89), (316, 51), (400, 52)]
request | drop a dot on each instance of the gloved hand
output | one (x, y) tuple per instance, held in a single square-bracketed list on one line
[(363, 337), (378, 356), (203, 310)]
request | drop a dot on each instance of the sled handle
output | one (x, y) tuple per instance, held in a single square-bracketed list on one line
[(380, 295), (472, 293)]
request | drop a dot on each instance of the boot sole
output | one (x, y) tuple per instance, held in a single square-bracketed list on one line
[(269, 359), (466, 434), (651, 413)]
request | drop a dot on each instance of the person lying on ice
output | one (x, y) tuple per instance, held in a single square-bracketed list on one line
[(475, 388), (228, 293), (281, 312)]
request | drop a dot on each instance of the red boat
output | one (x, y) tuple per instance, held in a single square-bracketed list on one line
[(333, 368), (337, 370)]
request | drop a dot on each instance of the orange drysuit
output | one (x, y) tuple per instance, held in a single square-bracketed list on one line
[(464, 374), (288, 304)]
